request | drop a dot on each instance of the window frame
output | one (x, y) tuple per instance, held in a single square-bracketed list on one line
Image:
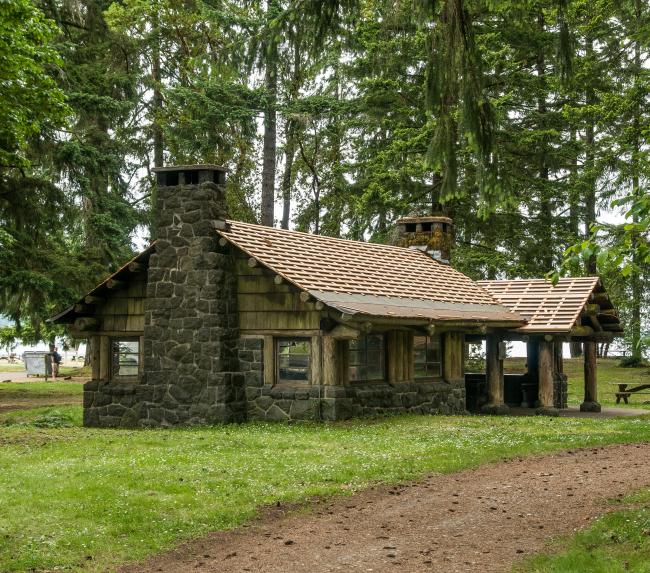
[(351, 365), (427, 361), (116, 340), (277, 341)]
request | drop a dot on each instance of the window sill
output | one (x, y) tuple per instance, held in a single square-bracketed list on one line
[(126, 380), (290, 385)]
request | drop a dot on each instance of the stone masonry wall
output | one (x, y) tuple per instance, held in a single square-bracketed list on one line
[(314, 402), (356, 400), (191, 329), (191, 334)]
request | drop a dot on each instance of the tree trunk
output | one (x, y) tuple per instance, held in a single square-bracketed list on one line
[(156, 116), (270, 127), (289, 156), (546, 210), (158, 148), (290, 144), (635, 276), (590, 192)]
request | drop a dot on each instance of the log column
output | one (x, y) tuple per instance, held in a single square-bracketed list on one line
[(494, 375), (590, 403), (331, 363), (546, 351), (453, 370)]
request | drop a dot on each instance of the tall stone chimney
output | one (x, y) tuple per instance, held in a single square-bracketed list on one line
[(429, 233), (191, 323)]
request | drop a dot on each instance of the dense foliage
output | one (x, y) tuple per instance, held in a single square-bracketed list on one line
[(525, 121)]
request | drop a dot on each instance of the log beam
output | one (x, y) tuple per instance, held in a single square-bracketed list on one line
[(136, 267), (600, 298), (305, 296), (581, 331), (344, 332), (86, 323), (91, 299), (114, 284)]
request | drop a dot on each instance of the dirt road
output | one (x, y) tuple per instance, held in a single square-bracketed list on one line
[(476, 520)]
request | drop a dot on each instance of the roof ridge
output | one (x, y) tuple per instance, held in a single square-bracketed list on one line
[(539, 279), (381, 246)]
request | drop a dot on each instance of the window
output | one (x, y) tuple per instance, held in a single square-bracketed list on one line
[(426, 355), (293, 359), (367, 358), (125, 357)]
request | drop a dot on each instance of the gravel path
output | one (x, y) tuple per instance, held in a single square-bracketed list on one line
[(482, 519)]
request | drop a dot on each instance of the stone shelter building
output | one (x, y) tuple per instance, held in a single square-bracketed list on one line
[(223, 321)]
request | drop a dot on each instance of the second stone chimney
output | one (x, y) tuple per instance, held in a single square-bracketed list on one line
[(429, 233)]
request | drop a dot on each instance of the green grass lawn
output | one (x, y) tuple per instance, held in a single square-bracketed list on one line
[(40, 389), (6, 367), (617, 542), (608, 372), (88, 499), (63, 371), (34, 394)]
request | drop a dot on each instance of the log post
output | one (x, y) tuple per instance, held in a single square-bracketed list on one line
[(269, 360), (494, 375), (409, 358), (104, 358), (559, 358), (545, 375), (392, 355), (95, 356), (452, 358), (330, 361), (590, 403), (316, 361)]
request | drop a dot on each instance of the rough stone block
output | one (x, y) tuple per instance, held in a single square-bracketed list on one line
[(303, 409), (264, 402), (276, 414)]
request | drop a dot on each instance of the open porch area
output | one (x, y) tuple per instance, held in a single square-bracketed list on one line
[(574, 310)]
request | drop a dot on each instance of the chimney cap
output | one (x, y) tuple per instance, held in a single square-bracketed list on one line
[(425, 219), (197, 167)]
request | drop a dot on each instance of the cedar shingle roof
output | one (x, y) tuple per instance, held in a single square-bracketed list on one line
[(548, 308), (368, 278)]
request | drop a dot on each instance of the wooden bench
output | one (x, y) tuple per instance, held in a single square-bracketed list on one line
[(626, 395)]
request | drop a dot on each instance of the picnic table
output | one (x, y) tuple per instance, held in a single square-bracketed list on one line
[(624, 392)]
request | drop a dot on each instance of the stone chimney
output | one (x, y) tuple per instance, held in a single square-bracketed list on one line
[(429, 233), (191, 323)]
